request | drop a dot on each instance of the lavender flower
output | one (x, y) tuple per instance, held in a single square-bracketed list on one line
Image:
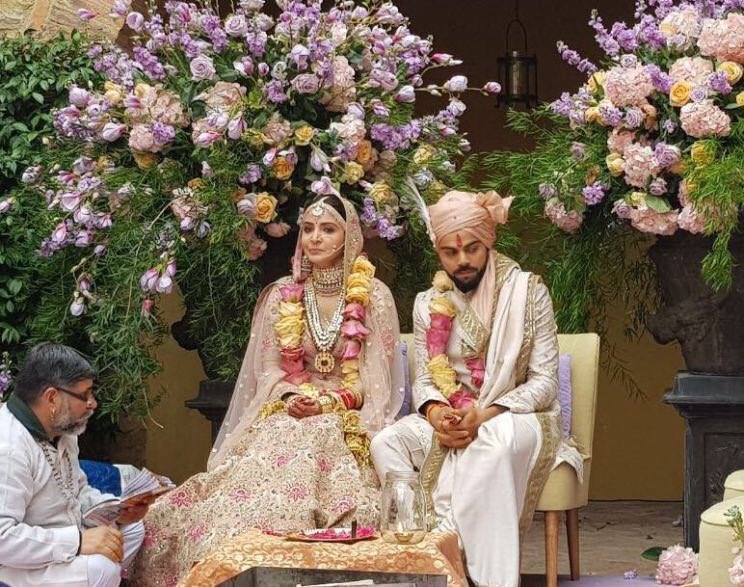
[(658, 186), (578, 151), (666, 155), (699, 94), (594, 194), (573, 58), (669, 126), (719, 83), (633, 117), (661, 81), (275, 92)]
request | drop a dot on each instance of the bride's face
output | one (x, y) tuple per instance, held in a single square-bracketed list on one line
[(322, 240)]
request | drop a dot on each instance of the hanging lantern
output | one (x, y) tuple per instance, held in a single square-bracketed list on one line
[(517, 69)]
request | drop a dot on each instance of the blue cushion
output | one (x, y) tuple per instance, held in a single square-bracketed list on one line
[(103, 476)]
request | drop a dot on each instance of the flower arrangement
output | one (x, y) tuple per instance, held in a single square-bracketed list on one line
[(736, 572), (677, 566), (201, 147), (442, 313), (669, 102)]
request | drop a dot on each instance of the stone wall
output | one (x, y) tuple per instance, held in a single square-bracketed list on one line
[(50, 17)]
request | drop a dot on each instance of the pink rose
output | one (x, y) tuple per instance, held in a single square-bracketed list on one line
[(436, 341), (147, 307), (354, 329), (354, 311), (141, 139), (352, 348), (277, 229), (256, 249), (292, 292), (461, 399), (477, 370), (441, 322)]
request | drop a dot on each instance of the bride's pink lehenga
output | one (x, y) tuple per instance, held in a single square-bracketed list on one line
[(272, 471)]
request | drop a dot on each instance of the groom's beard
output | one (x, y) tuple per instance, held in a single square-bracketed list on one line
[(467, 284)]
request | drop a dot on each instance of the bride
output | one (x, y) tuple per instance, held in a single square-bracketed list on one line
[(321, 374)]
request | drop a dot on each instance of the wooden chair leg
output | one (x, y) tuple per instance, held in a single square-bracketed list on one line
[(572, 529), (552, 521)]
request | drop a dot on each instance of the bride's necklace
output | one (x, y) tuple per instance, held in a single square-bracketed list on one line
[(328, 281), (324, 337)]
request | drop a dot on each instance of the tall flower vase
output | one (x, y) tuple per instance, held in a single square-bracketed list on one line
[(709, 394)]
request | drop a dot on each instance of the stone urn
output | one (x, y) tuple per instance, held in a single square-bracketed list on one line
[(709, 327)]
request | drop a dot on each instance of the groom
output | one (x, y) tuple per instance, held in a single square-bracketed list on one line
[(486, 385)]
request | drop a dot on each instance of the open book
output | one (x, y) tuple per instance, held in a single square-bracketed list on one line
[(143, 485)]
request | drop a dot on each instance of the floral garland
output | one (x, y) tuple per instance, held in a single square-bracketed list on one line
[(442, 313), (290, 331)]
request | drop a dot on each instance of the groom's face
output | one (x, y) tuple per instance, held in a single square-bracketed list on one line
[(464, 259)]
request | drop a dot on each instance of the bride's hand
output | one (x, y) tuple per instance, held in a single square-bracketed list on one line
[(303, 407)]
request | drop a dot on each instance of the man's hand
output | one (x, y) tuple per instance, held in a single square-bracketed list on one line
[(300, 407), (444, 419), (134, 510), (103, 540), (473, 417)]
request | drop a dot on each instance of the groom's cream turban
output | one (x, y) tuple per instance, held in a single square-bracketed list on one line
[(475, 214)]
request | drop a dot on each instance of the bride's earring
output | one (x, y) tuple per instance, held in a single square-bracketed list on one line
[(305, 265)]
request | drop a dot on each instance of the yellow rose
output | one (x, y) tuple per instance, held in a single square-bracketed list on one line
[(144, 160), (615, 163), (360, 295), (442, 305), (358, 280), (364, 152), (443, 375), (304, 135), (591, 114), (114, 93), (597, 81), (442, 282), (668, 29), (637, 198), (592, 174), (287, 309), (363, 266), (423, 154), (381, 192), (282, 168), (141, 90), (196, 183), (265, 207), (437, 188), (353, 172), (733, 71), (702, 153), (254, 138), (678, 168), (740, 98), (289, 330), (680, 93)]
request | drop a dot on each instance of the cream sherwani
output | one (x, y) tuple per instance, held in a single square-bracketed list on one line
[(487, 492), (40, 527)]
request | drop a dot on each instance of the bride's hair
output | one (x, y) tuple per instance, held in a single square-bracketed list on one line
[(332, 201)]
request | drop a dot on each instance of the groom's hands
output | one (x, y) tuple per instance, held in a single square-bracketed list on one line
[(458, 428), (299, 407)]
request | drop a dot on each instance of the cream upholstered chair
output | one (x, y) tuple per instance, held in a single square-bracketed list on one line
[(563, 492)]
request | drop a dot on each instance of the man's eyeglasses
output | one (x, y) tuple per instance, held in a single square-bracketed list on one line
[(86, 399)]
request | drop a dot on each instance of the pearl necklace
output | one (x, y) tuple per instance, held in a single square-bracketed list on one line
[(324, 338)]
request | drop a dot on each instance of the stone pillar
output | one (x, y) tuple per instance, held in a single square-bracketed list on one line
[(50, 17)]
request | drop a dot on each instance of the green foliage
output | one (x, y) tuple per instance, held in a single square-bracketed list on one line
[(34, 78), (35, 75)]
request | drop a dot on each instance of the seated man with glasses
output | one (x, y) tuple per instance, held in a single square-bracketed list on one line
[(43, 491)]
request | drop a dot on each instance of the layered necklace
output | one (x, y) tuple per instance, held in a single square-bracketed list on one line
[(324, 334)]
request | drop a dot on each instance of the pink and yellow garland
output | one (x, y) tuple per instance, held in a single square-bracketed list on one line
[(290, 331), (442, 313)]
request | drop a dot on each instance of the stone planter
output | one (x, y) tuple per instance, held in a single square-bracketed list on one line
[(710, 394)]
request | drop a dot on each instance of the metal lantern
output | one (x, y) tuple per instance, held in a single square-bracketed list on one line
[(517, 69)]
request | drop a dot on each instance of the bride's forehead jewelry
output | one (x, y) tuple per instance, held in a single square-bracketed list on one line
[(319, 208)]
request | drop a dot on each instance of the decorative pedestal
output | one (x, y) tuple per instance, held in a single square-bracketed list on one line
[(212, 402), (713, 407)]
